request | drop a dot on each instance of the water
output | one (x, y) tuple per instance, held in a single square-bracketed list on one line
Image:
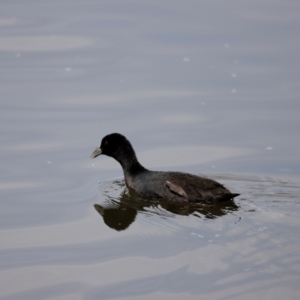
[(208, 88)]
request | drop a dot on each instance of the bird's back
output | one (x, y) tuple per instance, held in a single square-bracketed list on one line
[(180, 187)]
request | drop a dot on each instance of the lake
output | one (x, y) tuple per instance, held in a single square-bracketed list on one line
[(205, 87)]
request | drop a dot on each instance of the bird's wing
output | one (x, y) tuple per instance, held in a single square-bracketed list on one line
[(175, 188)]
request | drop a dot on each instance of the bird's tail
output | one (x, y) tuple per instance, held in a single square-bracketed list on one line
[(228, 196)]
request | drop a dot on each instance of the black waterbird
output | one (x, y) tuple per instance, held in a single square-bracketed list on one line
[(173, 187)]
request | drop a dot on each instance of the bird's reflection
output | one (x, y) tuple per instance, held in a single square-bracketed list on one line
[(120, 207), (117, 215)]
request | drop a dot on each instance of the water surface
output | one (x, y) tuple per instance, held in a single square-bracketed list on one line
[(209, 88)]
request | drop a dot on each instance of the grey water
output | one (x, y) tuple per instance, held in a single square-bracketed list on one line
[(206, 87)]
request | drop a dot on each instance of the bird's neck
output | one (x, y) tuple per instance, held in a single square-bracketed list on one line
[(129, 163)]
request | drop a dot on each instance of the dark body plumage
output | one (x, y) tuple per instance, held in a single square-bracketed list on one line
[(174, 187)]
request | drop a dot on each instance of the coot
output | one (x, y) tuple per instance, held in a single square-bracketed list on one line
[(173, 187)]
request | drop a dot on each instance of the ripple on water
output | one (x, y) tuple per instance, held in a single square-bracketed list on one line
[(120, 207), (221, 252), (266, 205), (250, 245)]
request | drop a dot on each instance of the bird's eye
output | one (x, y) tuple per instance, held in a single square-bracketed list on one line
[(105, 143)]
